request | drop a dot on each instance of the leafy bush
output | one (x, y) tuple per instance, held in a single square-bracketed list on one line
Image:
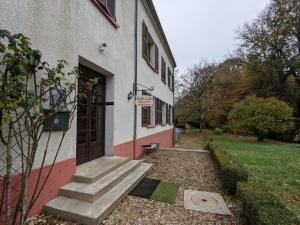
[(218, 131), (231, 171), (262, 208), (260, 116)]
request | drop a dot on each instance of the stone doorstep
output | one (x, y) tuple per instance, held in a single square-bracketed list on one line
[(92, 171), (95, 212), (91, 192)]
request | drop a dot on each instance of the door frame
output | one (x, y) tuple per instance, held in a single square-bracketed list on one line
[(85, 75)]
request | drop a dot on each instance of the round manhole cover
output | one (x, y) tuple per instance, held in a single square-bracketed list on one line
[(207, 200)]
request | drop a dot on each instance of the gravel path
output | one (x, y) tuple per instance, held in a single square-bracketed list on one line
[(193, 171)]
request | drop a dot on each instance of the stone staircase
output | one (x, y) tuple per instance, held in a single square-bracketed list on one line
[(97, 188)]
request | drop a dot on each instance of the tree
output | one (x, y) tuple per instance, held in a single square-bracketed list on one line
[(192, 104), (270, 46), (25, 86), (259, 116)]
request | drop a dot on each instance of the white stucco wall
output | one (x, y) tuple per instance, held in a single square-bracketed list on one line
[(64, 29), (147, 76)]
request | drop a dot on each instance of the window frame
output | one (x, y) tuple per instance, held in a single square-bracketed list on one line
[(148, 43), (106, 13), (163, 70)]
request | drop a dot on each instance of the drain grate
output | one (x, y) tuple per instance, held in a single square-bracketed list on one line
[(145, 188)]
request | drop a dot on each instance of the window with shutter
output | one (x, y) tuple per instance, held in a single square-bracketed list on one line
[(156, 58), (158, 107), (145, 42), (109, 6), (145, 116), (169, 78), (163, 70), (150, 49), (172, 82), (167, 114)]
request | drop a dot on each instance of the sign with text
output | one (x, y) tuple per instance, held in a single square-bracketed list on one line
[(144, 100)]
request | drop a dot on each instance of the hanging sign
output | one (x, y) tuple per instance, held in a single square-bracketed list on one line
[(144, 100)]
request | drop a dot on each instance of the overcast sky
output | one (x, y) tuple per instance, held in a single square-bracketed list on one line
[(205, 29)]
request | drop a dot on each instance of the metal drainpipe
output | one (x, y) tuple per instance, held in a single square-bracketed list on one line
[(135, 78)]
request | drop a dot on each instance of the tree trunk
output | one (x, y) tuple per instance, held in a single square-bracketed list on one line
[(8, 176)]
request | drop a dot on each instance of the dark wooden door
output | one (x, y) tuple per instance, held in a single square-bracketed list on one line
[(90, 117)]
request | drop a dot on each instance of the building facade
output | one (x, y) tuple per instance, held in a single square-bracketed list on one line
[(123, 44)]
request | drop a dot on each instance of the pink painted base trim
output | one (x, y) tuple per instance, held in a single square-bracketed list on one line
[(61, 174), (165, 139)]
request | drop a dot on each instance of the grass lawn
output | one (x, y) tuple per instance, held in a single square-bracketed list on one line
[(273, 164), (165, 192)]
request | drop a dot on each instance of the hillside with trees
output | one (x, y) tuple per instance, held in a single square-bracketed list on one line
[(266, 65)]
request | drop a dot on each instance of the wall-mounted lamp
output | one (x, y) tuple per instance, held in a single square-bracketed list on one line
[(35, 59), (130, 96), (102, 46)]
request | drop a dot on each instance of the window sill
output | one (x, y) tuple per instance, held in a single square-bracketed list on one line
[(106, 15), (151, 126), (151, 66), (164, 124)]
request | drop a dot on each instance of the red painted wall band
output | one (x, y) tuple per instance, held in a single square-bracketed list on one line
[(165, 139)]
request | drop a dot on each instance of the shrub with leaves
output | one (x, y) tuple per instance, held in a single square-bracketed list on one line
[(259, 116), (25, 86), (231, 172), (262, 208)]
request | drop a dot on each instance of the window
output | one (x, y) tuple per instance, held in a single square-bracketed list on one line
[(150, 49), (169, 78), (163, 70), (164, 114), (145, 116), (168, 114), (109, 6), (158, 111), (171, 114), (148, 114)]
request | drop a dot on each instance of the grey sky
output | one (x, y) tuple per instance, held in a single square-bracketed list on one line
[(204, 28)]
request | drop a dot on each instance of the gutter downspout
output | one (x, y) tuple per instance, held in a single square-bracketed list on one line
[(135, 78)]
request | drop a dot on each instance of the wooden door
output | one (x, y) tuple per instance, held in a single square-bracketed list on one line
[(90, 118)]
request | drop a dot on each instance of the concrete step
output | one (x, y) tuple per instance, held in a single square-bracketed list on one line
[(92, 171), (92, 192), (94, 213)]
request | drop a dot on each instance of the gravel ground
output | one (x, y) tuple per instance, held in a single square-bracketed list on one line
[(192, 170)]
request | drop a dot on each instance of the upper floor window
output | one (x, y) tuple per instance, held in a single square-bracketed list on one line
[(163, 70), (109, 6), (170, 79), (150, 49)]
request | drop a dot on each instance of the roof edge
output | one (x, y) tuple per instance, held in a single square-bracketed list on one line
[(152, 11)]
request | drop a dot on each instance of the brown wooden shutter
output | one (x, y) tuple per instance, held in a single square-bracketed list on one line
[(161, 111), (156, 111), (156, 58), (167, 114), (173, 82), (163, 70), (145, 42)]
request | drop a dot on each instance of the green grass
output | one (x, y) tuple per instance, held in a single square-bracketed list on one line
[(166, 192), (273, 164)]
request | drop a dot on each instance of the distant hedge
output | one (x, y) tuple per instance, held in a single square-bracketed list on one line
[(230, 170), (262, 208)]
